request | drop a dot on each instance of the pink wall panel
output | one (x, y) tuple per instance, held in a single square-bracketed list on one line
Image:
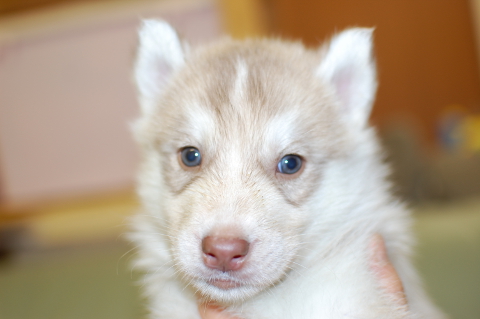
[(66, 99)]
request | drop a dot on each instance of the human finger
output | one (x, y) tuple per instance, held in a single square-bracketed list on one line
[(211, 311), (385, 272)]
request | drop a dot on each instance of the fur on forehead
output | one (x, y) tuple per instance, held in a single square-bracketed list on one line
[(247, 85)]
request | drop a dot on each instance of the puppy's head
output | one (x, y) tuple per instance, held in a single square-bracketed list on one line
[(237, 140)]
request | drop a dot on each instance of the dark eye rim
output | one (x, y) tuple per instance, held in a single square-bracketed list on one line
[(295, 172), (184, 162)]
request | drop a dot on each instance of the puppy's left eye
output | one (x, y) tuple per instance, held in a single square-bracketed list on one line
[(190, 156), (289, 164)]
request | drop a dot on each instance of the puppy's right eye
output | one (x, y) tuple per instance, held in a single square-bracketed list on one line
[(190, 156), (289, 164)]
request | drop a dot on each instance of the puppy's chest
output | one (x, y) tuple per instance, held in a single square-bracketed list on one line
[(328, 291)]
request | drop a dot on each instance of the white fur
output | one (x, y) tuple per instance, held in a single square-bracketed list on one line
[(245, 105), (160, 53), (349, 66), (240, 83)]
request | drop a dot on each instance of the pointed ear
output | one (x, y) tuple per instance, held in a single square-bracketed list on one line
[(348, 65), (160, 53)]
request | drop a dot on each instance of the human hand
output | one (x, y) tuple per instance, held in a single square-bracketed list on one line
[(384, 272), (211, 311), (381, 266)]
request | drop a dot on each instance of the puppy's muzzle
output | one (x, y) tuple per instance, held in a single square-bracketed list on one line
[(224, 254)]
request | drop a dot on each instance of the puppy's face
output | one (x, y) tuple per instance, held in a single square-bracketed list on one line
[(236, 137)]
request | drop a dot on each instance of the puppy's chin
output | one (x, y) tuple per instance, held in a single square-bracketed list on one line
[(225, 291)]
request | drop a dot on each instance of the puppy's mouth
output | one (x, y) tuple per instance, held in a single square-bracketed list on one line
[(225, 280), (225, 290), (225, 284)]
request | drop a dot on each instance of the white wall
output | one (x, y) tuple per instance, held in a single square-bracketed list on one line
[(66, 97)]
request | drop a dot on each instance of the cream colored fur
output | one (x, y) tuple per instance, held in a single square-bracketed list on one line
[(245, 105)]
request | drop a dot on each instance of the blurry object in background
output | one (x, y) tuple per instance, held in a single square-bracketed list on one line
[(459, 131), (68, 224), (454, 176), (82, 221), (12, 239), (245, 18), (450, 133), (420, 174), (408, 158), (471, 131), (66, 97), (457, 164)]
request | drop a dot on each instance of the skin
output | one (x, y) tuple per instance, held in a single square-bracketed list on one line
[(380, 265)]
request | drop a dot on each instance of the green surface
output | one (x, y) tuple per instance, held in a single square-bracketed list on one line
[(448, 256), (452, 276), (91, 284)]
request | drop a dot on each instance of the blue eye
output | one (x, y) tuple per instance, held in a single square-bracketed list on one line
[(191, 156), (289, 164)]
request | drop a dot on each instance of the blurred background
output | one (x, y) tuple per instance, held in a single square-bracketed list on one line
[(68, 162)]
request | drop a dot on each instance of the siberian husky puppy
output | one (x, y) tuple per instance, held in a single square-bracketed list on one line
[(262, 182)]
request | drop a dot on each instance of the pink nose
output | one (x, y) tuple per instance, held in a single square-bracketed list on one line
[(224, 254)]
